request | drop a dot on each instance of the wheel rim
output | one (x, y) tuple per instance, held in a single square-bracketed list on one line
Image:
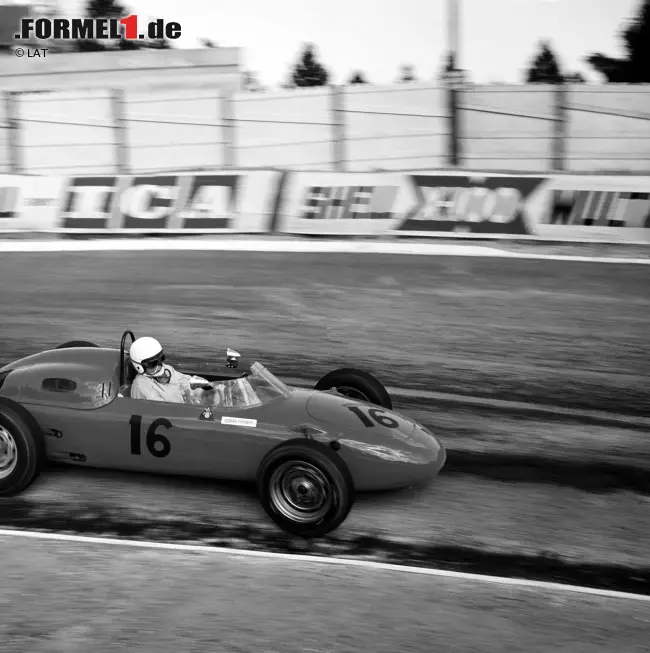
[(353, 393), (8, 453), (300, 492)]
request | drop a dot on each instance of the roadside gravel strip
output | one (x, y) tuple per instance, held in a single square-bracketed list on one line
[(66, 597)]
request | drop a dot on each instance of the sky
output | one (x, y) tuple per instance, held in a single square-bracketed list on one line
[(498, 37)]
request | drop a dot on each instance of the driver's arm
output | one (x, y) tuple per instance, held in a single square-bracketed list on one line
[(193, 387)]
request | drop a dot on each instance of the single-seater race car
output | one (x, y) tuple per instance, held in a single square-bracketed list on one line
[(308, 451)]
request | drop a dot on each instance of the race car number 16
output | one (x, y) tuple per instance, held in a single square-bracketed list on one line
[(157, 444)]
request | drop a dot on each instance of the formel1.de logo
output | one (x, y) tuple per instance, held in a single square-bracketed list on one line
[(97, 29)]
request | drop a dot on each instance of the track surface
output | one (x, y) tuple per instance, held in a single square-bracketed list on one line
[(546, 331), (143, 600), (457, 512), (564, 333)]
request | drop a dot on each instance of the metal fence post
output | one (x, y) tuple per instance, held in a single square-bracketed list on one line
[(338, 128), (453, 106), (119, 128), (228, 122), (558, 145), (13, 137)]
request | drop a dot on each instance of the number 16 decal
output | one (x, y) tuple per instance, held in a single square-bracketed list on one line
[(152, 439), (378, 415)]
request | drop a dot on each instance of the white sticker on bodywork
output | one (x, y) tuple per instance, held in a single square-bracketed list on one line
[(239, 421)]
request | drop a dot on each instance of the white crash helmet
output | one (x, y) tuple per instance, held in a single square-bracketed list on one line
[(147, 356)]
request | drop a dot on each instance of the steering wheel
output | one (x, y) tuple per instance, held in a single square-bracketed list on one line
[(122, 344)]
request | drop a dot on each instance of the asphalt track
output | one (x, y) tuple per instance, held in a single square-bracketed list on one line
[(464, 523), (559, 492), (553, 332), (145, 600)]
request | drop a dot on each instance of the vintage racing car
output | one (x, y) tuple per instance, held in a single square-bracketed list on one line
[(309, 451)]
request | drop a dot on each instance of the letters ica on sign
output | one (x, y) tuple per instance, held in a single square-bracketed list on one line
[(88, 202), (155, 202)]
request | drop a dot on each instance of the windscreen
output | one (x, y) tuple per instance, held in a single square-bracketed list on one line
[(258, 388)]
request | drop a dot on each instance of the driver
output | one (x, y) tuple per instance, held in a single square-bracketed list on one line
[(157, 381)]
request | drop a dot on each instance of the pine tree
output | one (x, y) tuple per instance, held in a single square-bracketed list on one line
[(250, 83), (309, 71), (358, 78), (105, 9), (113, 9), (635, 68), (574, 78), (545, 68), (407, 75)]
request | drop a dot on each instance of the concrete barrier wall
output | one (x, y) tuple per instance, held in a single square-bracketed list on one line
[(67, 132), (121, 69), (284, 129), (106, 112), (183, 112), (608, 127), (165, 130), (507, 127), (381, 127), (393, 127), (5, 138)]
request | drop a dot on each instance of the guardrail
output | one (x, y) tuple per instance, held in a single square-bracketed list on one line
[(578, 128)]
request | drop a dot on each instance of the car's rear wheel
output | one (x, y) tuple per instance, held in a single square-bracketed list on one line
[(22, 448), (305, 488), (356, 384), (77, 343)]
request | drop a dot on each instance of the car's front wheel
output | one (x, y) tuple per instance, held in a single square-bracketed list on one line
[(305, 488), (22, 448)]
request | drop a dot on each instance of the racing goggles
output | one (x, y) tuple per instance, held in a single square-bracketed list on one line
[(153, 365)]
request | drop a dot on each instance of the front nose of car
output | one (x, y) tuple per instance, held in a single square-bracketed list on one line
[(383, 449)]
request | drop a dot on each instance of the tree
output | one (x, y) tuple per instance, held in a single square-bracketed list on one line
[(407, 75), (614, 70), (309, 71), (449, 72), (105, 9), (250, 83), (113, 9), (358, 78), (635, 68), (574, 78), (450, 64), (157, 44), (545, 68)]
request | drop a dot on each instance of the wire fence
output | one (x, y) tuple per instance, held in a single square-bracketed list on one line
[(416, 126)]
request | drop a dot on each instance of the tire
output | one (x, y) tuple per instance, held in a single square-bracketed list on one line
[(356, 384), (320, 465), (20, 432), (77, 343)]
